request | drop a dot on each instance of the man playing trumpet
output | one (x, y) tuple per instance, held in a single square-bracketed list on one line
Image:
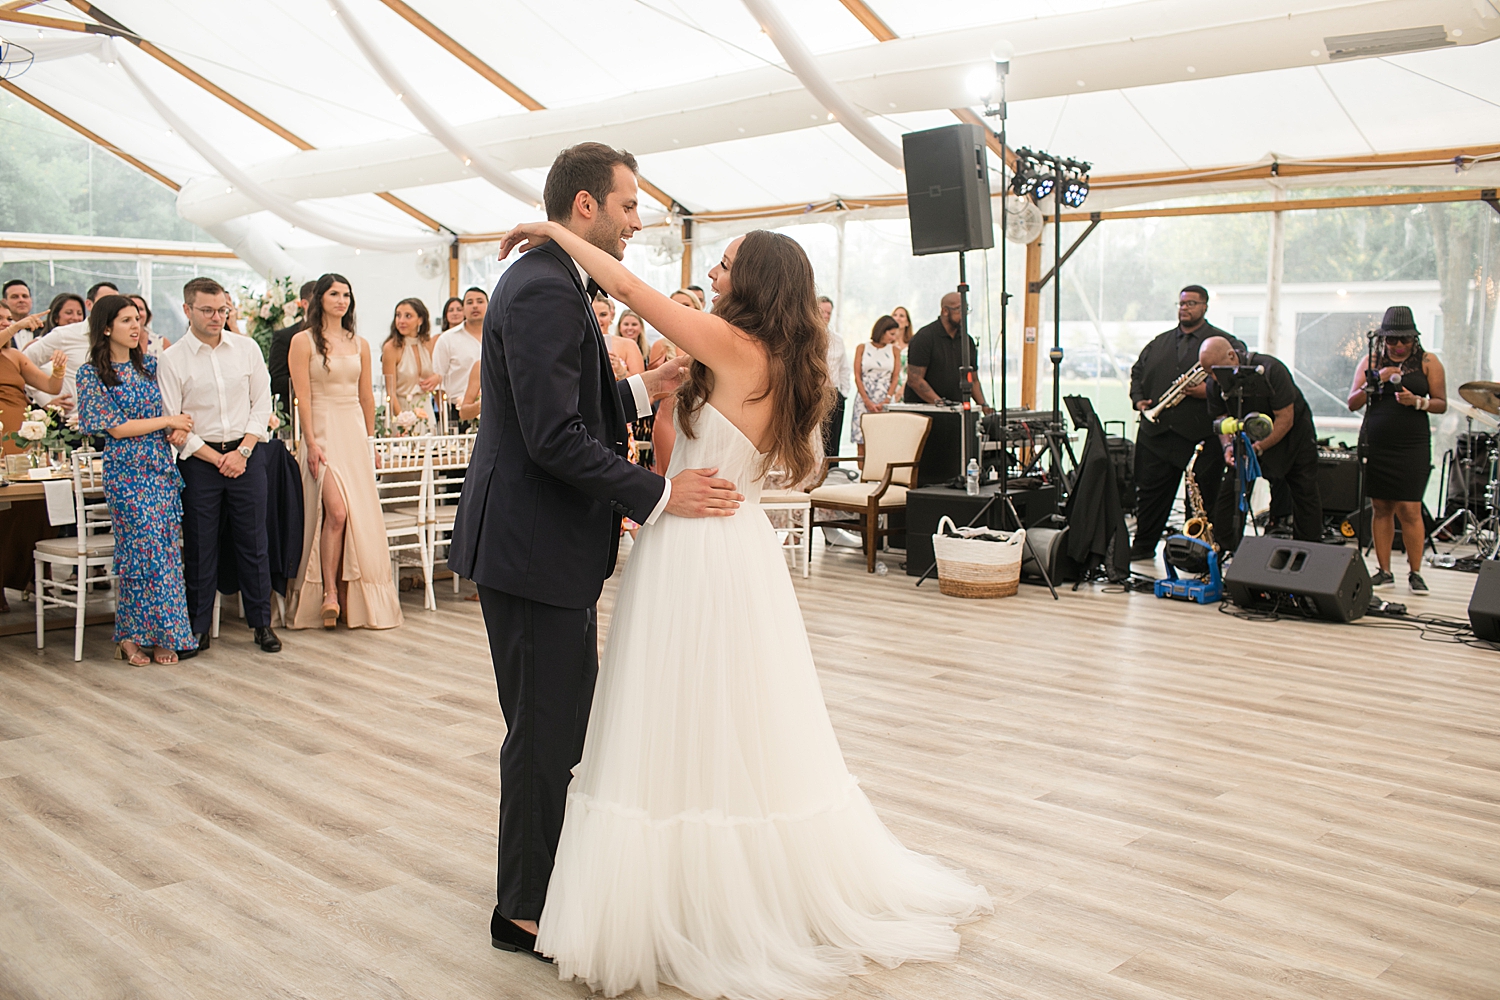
[(1164, 446)]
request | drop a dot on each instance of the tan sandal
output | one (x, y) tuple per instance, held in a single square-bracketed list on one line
[(136, 657), (160, 651), (331, 615)]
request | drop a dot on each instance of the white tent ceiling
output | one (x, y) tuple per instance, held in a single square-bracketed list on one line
[(704, 98)]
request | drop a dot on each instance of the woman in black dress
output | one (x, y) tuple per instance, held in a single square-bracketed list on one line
[(1405, 384)]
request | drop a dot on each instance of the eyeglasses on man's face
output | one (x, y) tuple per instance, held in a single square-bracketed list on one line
[(207, 311)]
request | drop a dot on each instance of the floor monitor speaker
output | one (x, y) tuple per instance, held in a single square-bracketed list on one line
[(1320, 581), (1484, 606), (948, 189)]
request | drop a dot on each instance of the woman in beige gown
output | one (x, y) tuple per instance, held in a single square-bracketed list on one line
[(406, 358), (346, 565)]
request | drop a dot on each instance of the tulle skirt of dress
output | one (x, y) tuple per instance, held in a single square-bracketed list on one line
[(714, 838)]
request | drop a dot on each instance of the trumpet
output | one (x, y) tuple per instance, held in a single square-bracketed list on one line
[(1177, 391)]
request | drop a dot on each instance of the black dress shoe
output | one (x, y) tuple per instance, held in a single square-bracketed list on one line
[(508, 937), (188, 654), (266, 639)]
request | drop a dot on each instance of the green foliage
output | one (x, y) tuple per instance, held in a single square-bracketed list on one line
[(46, 183)]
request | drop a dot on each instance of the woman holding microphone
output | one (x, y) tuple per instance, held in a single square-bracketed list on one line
[(1403, 385)]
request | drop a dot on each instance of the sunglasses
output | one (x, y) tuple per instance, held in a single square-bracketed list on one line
[(1389, 339)]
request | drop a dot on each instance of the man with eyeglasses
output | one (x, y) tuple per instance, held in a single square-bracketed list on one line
[(933, 359), (222, 382), (1164, 448), (73, 340)]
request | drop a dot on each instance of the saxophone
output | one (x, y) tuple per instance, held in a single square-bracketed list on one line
[(1197, 525), (1177, 391)]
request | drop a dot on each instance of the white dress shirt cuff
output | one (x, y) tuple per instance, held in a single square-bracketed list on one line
[(190, 446), (666, 494), (642, 397)]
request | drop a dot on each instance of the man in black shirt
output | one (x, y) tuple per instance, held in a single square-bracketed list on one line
[(932, 359), (1164, 448), (1288, 455), (281, 344)]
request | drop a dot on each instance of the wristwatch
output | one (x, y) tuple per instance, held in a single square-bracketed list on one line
[(244, 452)]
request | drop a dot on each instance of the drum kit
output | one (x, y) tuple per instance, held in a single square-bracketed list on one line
[(1478, 464)]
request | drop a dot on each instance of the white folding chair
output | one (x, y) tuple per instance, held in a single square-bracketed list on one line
[(798, 509), (93, 547), (450, 454), (400, 481)]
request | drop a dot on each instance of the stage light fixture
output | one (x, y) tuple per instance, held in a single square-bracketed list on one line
[(1075, 191), (1043, 187), (1024, 179)]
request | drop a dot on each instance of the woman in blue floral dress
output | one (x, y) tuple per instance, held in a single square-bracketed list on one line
[(118, 397)]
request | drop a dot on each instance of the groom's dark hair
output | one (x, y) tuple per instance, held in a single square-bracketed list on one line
[(588, 166)]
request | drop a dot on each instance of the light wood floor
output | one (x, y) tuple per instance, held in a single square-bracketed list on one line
[(1163, 800)]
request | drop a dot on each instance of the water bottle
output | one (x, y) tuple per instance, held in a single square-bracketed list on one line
[(971, 478)]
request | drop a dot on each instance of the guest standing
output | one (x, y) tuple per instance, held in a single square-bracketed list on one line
[(457, 350), (878, 363), (118, 396), (15, 304), (281, 343), (903, 341), (67, 331), (406, 356), (664, 350), (346, 564), (625, 344), (453, 313), (25, 522), (1395, 440), (222, 383), (840, 375)]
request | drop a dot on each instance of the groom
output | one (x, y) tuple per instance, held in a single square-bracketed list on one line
[(538, 527)]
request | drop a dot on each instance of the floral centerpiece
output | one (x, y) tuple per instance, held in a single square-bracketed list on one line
[(275, 309), (46, 429)]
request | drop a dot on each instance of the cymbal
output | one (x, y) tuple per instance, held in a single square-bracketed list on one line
[(1473, 412), (1485, 395)]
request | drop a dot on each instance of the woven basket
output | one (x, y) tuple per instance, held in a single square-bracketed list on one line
[(977, 562)]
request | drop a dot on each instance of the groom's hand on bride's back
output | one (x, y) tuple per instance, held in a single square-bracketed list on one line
[(698, 493)]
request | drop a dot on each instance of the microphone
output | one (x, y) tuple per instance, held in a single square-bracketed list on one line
[(1257, 425)]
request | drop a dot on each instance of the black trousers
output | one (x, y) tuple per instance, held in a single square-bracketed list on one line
[(832, 424), (546, 659), (1157, 480), (208, 497), (1299, 486)]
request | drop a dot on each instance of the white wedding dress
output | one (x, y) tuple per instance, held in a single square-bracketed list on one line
[(714, 839)]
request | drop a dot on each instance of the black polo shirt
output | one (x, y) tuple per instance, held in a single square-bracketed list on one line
[(1283, 392), (933, 349)]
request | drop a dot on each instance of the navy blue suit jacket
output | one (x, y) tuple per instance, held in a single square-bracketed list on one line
[(549, 480)]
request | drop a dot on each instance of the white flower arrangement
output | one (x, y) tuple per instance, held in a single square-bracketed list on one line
[(33, 430)]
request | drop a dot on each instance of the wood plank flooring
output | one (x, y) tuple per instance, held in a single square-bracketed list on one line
[(1165, 802)]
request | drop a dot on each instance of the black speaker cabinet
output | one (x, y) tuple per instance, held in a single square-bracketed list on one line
[(1484, 606), (948, 189), (1320, 581)]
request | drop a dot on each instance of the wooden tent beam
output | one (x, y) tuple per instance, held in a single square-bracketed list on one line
[(116, 249), (1287, 205), (97, 140), (109, 26)]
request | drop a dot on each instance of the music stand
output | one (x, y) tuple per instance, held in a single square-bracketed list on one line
[(1235, 381)]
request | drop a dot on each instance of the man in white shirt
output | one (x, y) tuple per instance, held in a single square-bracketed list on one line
[(457, 350), (840, 375), (222, 382), (72, 340)]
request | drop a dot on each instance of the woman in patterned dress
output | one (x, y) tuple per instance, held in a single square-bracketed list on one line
[(118, 397), (878, 364)]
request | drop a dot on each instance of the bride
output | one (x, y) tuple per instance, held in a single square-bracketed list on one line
[(714, 838)]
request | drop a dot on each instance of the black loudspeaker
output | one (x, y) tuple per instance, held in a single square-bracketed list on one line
[(1484, 606), (948, 189), (1320, 581)]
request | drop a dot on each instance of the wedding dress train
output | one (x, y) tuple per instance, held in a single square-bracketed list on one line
[(714, 838)]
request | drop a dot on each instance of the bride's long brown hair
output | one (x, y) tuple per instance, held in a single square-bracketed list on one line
[(772, 298)]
